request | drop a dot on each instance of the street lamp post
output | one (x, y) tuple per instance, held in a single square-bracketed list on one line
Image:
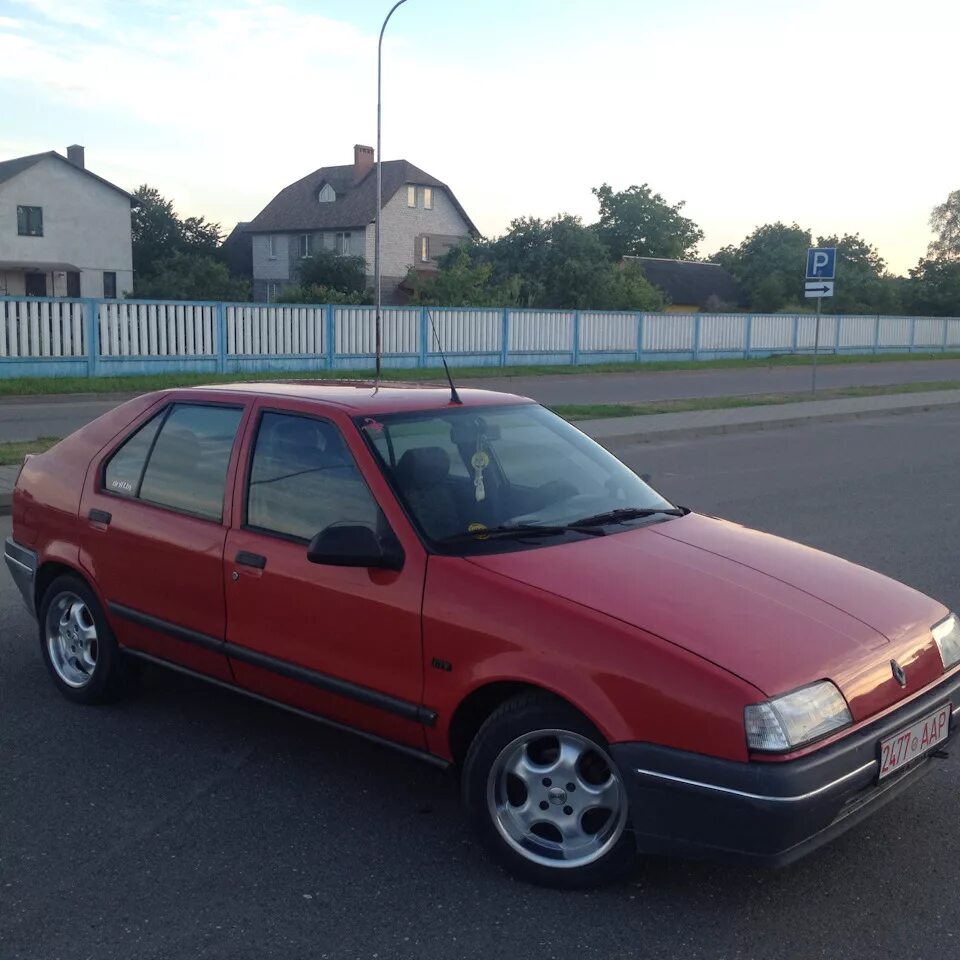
[(376, 240)]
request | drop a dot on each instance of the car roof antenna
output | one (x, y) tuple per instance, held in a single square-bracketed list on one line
[(454, 396)]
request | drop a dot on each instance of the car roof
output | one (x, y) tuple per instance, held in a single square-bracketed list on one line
[(365, 397)]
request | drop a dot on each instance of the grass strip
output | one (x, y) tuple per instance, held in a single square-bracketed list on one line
[(37, 386), (13, 451), (597, 411)]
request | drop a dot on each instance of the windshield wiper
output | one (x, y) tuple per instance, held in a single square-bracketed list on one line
[(519, 531), (621, 514)]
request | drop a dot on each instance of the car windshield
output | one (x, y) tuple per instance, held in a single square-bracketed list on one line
[(479, 479)]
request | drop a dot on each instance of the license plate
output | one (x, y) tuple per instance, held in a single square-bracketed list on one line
[(897, 751)]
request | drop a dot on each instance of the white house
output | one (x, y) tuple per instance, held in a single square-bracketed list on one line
[(335, 207), (64, 231)]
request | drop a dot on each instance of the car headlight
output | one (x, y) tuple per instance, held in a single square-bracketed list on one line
[(790, 721), (947, 635)]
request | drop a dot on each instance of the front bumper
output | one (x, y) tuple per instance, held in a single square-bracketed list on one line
[(687, 804), (22, 564)]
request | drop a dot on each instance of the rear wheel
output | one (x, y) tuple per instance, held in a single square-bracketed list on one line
[(545, 796), (78, 645)]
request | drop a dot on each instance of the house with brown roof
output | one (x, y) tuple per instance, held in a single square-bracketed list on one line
[(334, 208), (690, 285), (64, 231)]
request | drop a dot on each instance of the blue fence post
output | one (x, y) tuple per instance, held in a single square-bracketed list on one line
[(504, 336), (748, 337), (837, 319), (330, 335), (796, 333), (221, 338), (639, 337), (913, 332), (876, 335), (90, 316), (946, 329), (424, 337), (576, 337), (697, 331)]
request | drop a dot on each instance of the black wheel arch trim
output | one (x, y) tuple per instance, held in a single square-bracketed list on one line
[(344, 688)]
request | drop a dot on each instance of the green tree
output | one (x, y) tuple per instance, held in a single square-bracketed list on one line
[(769, 265), (159, 233), (639, 222), (329, 269), (934, 288), (945, 222), (555, 263), (460, 282), (185, 276), (863, 284)]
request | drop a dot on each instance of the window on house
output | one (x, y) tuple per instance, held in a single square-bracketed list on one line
[(274, 245), (327, 194), (73, 283), (306, 245), (411, 196), (30, 221), (109, 285), (343, 243), (427, 198), (424, 249), (273, 291)]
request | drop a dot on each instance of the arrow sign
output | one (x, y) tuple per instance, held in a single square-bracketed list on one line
[(818, 288)]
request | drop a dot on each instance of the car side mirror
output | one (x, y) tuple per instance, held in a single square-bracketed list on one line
[(353, 545)]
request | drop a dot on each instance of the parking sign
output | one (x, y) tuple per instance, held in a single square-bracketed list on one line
[(821, 263)]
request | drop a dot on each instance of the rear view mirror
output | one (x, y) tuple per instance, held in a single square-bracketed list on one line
[(354, 546)]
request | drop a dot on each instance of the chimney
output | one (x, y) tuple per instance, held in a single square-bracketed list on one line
[(75, 155), (362, 161)]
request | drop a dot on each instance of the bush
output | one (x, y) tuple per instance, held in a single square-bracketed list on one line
[(334, 271), (317, 294)]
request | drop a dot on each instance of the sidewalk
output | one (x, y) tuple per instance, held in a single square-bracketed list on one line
[(615, 431)]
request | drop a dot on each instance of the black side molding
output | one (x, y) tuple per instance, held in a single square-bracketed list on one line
[(343, 688), (170, 629), (372, 737), (322, 681), (251, 559), (100, 516)]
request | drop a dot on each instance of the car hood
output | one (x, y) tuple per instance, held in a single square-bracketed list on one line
[(771, 611)]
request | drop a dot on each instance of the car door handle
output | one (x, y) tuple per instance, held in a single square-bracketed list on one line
[(251, 559), (100, 516)]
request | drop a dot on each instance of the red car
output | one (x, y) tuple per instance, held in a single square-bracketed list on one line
[(475, 582)]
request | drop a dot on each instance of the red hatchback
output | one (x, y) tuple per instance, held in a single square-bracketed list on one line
[(480, 585)]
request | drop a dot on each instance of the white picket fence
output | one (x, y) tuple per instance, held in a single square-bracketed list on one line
[(111, 333)]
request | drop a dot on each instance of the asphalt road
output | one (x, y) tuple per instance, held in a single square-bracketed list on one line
[(25, 421), (193, 823)]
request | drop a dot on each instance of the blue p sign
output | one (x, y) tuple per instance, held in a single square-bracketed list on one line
[(821, 263)]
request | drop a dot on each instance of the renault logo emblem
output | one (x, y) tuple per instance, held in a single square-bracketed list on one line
[(899, 674)]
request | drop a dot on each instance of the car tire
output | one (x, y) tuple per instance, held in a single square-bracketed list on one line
[(78, 646), (544, 796)]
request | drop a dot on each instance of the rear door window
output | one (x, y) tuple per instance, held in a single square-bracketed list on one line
[(179, 459)]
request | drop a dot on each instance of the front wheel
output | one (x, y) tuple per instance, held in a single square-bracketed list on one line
[(78, 645), (545, 796)]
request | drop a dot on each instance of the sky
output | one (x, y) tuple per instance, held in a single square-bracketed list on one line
[(838, 115)]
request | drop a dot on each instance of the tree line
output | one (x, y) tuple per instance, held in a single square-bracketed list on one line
[(564, 263)]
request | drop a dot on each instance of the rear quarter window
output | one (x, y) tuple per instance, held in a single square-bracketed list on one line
[(179, 459)]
